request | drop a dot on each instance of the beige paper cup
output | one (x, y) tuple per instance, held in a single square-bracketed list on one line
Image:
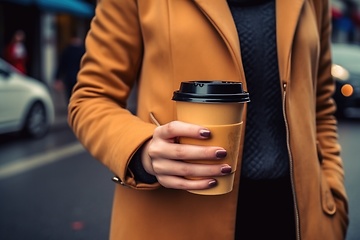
[(228, 137), (217, 105), (209, 114)]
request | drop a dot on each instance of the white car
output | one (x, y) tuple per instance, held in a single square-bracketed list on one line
[(26, 105)]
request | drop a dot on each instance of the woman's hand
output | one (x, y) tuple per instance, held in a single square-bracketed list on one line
[(161, 155)]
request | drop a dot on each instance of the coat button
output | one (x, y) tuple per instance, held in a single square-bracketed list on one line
[(116, 179), (330, 202)]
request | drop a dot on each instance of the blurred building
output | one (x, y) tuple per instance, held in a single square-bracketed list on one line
[(346, 21), (48, 25)]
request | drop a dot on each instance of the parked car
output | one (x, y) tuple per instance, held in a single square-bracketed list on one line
[(26, 105), (346, 71)]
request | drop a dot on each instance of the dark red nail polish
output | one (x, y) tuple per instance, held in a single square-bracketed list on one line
[(221, 153), (205, 133), (226, 169), (212, 183)]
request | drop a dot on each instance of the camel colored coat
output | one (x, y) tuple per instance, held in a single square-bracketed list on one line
[(160, 43)]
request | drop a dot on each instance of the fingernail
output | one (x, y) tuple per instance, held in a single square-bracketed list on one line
[(226, 169), (205, 133), (221, 153), (212, 183)]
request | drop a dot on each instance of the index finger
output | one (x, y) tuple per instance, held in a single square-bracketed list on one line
[(176, 129)]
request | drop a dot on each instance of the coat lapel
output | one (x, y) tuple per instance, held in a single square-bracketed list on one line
[(287, 16), (218, 13)]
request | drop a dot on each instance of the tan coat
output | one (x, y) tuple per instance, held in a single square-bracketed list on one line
[(163, 42)]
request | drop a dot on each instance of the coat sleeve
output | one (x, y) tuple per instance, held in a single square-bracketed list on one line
[(109, 69), (332, 165)]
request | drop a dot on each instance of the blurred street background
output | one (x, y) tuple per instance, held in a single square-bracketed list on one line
[(51, 188)]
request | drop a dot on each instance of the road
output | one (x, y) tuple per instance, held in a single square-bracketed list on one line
[(349, 136), (53, 189), (58, 192)]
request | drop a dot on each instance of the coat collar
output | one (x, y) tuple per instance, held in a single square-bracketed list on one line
[(287, 15), (218, 13)]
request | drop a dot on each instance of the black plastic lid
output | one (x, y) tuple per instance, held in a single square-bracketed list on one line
[(211, 92)]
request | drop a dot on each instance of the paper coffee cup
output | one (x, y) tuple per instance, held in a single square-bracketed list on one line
[(218, 106)]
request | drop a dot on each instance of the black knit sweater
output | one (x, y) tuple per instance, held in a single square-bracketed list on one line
[(265, 150)]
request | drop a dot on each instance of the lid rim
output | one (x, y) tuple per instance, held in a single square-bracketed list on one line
[(211, 92)]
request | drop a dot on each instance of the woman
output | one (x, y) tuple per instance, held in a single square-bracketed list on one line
[(280, 51)]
